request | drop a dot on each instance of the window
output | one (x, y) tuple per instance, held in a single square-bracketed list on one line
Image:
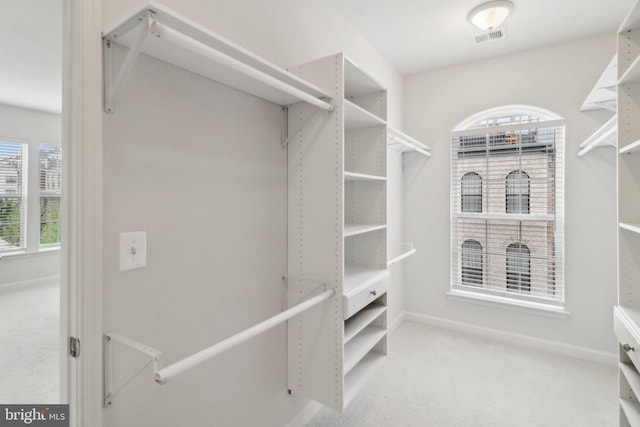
[(50, 192), (517, 191), (472, 263), (13, 196), (24, 200), (471, 193), (507, 194), (518, 268)]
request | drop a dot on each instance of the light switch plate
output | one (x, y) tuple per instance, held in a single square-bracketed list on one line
[(133, 250)]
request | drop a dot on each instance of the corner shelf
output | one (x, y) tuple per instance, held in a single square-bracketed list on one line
[(161, 33), (604, 94)]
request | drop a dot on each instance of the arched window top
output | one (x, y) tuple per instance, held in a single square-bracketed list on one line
[(507, 115), (517, 175), (472, 245), (518, 248)]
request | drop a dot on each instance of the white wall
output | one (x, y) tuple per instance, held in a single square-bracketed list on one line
[(36, 127), (557, 78), (200, 168)]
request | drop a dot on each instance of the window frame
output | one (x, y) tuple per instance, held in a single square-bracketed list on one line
[(532, 131), (30, 225)]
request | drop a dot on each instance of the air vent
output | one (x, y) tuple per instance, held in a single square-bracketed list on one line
[(493, 35)]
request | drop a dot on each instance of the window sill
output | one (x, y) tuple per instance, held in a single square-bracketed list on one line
[(48, 250), (508, 303)]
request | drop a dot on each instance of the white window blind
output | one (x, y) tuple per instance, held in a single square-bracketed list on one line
[(50, 193), (507, 208), (13, 196)]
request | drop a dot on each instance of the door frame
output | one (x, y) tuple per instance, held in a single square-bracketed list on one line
[(81, 251)]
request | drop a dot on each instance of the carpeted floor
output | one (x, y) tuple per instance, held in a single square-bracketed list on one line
[(439, 378), (30, 344)]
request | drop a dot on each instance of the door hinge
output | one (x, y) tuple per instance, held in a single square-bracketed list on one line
[(74, 347)]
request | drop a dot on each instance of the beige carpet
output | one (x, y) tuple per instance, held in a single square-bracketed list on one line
[(30, 344), (434, 377)]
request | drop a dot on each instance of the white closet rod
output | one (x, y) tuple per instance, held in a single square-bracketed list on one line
[(410, 146), (164, 374)]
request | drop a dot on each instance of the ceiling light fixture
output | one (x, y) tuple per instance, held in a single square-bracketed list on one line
[(490, 15)]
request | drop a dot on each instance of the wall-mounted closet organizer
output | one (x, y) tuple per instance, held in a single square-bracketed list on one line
[(337, 143), (338, 232), (603, 96), (627, 313), (163, 34), (399, 142)]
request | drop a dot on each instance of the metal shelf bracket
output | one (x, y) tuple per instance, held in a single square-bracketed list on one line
[(148, 25), (111, 389)]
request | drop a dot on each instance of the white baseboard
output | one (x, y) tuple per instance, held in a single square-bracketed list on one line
[(396, 323), (306, 415), (523, 340), (42, 281)]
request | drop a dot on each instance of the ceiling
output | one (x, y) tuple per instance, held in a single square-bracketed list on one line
[(31, 53), (420, 35), (414, 35)]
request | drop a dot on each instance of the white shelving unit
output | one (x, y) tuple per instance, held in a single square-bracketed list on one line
[(627, 313), (161, 33), (338, 232)]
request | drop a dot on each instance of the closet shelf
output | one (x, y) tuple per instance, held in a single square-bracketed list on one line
[(354, 176), (632, 74), (631, 21), (359, 375), (630, 227), (355, 229), (358, 322), (604, 93), (632, 376), (631, 148), (406, 143), (360, 345), (163, 34), (356, 117), (605, 135), (631, 411), (357, 82)]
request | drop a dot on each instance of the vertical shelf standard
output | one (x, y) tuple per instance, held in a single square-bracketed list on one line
[(627, 313), (338, 232)]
